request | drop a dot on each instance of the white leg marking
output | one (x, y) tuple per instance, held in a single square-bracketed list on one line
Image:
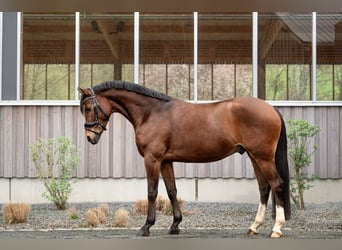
[(259, 218), (279, 221)]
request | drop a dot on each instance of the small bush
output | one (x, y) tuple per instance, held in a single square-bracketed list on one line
[(121, 218), (300, 133), (73, 214), (55, 160), (91, 218), (95, 216), (16, 212)]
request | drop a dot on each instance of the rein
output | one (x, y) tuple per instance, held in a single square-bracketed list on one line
[(89, 125)]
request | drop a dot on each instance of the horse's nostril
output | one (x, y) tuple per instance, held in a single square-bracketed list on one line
[(88, 138)]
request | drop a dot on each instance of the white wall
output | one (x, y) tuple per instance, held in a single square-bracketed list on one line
[(111, 190)]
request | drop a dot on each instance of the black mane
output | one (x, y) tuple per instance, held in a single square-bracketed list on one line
[(136, 88)]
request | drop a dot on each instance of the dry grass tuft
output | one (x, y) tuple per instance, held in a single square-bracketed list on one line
[(104, 208), (121, 218), (16, 212), (73, 213), (91, 218), (102, 216), (140, 207), (163, 205), (95, 216)]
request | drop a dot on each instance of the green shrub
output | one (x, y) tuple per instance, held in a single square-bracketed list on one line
[(55, 160), (299, 134)]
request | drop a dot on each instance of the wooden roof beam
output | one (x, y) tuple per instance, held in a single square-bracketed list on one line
[(111, 42), (272, 29)]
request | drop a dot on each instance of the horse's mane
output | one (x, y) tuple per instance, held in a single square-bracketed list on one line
[(136, 88)]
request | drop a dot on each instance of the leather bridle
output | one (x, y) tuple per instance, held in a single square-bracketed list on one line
[(89, 125)]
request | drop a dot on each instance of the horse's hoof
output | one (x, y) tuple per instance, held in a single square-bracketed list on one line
[(174, 231), (251, 232), (276, 235), (143, 233)]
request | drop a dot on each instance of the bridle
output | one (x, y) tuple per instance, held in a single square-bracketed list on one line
[(89, 125)]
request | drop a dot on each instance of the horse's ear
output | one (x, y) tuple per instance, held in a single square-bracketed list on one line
[(84, 91)]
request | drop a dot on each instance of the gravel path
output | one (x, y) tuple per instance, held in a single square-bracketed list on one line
[(201, 220)]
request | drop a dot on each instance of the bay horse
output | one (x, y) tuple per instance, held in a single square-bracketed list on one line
[(171, 130)]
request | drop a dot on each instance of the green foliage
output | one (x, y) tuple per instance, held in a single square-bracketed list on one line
[(55, 160), (299, 134)]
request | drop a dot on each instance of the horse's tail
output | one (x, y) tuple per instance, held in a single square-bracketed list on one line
[(282, 166)]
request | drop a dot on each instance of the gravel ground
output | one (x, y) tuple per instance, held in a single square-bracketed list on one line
[(201, 220)]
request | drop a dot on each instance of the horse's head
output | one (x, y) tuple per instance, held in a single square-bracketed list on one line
[(96, 110)]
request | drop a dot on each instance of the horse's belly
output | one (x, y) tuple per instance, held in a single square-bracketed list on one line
[(200, 153)]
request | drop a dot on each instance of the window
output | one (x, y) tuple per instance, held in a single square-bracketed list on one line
[(224, 55), (166, 54), (285, 56), (106, 48), (329, 56), (48, 56)]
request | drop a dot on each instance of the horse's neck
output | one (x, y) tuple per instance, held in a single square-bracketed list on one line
[(132, 106)]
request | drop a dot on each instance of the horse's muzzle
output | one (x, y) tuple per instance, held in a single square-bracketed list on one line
[(93, 137), (92, 141)]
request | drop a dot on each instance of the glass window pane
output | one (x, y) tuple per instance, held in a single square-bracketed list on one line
[(166, 53), (103, 73), (178, 81), (86, 75), (329, 56), (224, 55), (338, 82), (106, 48), (276, 82), (58, 85), (155, 77), (284, 56), (299, 82), (244, 80), (224, 78), (205, 82), (48, 53), (324, 82), (34, 79)]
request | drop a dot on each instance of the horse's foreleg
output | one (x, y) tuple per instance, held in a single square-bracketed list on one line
[(152, 171), (169, 180)]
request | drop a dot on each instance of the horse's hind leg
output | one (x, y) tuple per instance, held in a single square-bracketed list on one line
[(169, 180), (264, 190), (270, 173)]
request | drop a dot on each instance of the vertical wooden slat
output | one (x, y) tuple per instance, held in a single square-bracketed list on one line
[(103, 155), (333, 126), (19, 141), (321, 154), (8, 143), (129, 163), (33, 131), (2, 140), (80, 143), (44, 122), (117, 146)]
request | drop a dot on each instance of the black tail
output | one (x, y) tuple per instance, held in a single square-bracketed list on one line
[(282, 166)]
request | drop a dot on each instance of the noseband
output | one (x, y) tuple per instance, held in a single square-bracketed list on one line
[(89, 125)]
